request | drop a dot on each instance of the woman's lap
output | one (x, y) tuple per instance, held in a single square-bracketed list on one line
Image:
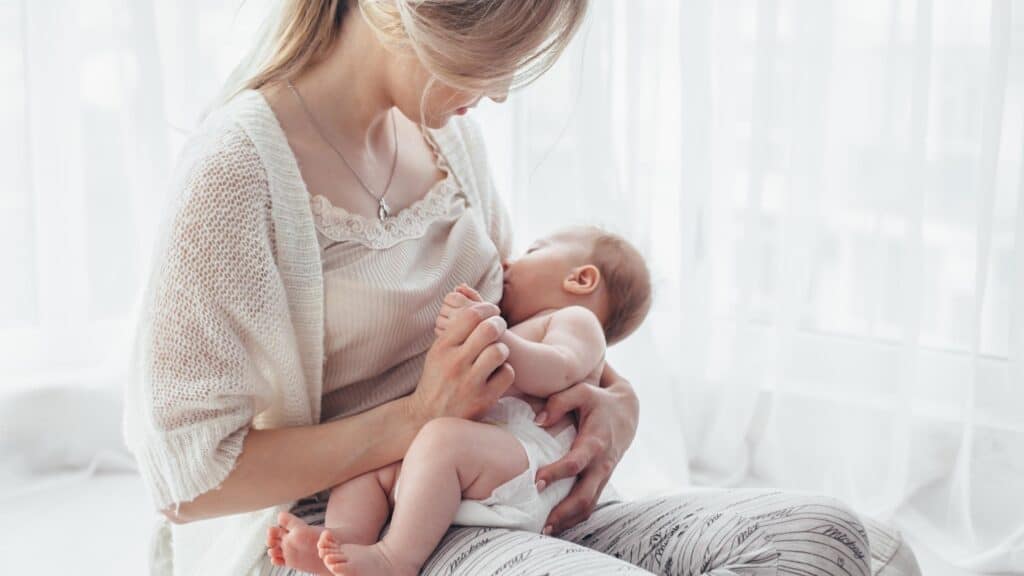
[(708, 531), (470, 551), (693, 532)]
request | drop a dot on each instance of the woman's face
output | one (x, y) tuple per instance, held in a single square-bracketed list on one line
[(433, 103)]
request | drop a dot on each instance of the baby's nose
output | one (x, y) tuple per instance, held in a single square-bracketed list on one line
[(504, 265)]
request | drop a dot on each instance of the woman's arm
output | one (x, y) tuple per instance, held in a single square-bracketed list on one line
[(284, 464), (608, 417), (215, 346), (463, 376)]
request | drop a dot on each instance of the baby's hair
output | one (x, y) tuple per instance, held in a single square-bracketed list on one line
[(627, 281)]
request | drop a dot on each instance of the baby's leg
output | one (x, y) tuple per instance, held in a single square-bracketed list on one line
[(356, 511), (450, 459)]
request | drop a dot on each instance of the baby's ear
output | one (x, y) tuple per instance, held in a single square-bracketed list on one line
[(583, 280)]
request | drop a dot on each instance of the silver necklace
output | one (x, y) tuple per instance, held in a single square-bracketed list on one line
[(383, 211)]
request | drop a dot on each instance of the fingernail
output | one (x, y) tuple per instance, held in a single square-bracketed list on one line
[(540, 418), (541, 485), (547, 530)]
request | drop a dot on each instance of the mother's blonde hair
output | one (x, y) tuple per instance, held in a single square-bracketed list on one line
[(477, 45)]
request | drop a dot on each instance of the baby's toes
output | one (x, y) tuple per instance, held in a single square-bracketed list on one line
[(327, 543), (274, 535), (288, 521), (289, 548), (335, 562)]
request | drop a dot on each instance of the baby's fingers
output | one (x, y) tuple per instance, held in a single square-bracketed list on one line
[(456, 300), (453, 302), (470, 293), (441, 324)]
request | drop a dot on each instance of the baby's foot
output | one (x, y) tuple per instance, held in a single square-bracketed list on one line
[(360, 560), (293, 543)]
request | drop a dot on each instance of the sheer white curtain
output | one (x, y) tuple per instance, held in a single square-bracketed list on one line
[(98, 96), (830, 195)]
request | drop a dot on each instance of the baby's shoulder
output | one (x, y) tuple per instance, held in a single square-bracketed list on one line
[(578, 320)]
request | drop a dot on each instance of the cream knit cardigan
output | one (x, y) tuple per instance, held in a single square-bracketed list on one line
[(231, 330)]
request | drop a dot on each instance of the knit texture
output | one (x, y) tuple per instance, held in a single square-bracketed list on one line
[(231, 332)]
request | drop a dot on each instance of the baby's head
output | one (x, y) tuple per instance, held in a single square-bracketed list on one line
[(585, 266)]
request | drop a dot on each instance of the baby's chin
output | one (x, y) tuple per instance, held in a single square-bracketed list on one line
[(509, 311), (503, 305)]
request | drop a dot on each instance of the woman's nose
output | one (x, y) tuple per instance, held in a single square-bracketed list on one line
[(499, 98)]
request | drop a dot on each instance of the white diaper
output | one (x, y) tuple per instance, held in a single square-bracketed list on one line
[(516, 503)]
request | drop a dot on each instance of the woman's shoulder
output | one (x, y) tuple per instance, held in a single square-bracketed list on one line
[(224, 158), (233, 131), (462, 143)]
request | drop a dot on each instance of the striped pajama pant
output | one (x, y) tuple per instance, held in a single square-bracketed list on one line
[(699, 532)]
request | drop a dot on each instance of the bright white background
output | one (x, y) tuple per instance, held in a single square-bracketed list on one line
[(830, 195)]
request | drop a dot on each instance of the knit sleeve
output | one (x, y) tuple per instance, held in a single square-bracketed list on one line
[(214, 324), (499, 223)]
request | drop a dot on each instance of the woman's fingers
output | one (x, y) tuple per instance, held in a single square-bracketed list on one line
[(486, 333), (501, 379), (490, 359), (467, 322), (573, 463), (579, 504)]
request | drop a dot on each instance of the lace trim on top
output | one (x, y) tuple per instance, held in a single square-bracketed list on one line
[(412, 221)]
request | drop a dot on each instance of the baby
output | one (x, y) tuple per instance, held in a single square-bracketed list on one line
[(569, 295)]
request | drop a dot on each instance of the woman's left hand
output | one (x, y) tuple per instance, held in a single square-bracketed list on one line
[(608, 417)]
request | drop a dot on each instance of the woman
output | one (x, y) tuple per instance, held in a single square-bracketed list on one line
[(287, 340)]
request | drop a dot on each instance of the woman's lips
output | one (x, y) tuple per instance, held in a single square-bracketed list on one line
[(462, 111)]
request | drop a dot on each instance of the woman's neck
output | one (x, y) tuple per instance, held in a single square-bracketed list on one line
[(348, 90)]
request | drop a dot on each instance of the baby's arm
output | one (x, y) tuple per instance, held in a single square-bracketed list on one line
[(572, 346), (571, 349)]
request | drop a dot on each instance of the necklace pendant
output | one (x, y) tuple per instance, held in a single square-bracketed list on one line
[(382, 209)]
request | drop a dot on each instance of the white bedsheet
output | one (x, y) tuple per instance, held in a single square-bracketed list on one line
[(75, 524)]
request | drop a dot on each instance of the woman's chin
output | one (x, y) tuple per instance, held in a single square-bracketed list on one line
[(435, 123)]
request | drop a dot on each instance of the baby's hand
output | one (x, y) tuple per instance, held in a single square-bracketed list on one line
[(468, 292), (456, 300)]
